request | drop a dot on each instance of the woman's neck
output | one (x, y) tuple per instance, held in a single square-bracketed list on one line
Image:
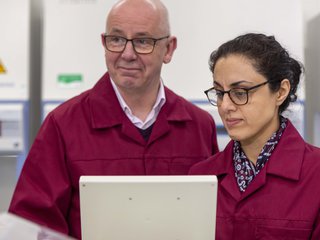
[(252, 147)]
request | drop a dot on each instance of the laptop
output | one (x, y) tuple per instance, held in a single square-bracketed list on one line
[(148, 207)]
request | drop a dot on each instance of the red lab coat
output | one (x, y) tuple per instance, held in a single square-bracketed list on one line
[(91, 135), (282, 202)]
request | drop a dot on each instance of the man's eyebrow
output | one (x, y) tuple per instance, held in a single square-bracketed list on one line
[(115, 31), (120, 32)]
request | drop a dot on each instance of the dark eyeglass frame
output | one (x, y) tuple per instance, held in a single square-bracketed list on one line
[(247, 90), (104, 36)]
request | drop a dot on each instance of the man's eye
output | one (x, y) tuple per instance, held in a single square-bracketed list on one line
[(142, 41), (115, 40)]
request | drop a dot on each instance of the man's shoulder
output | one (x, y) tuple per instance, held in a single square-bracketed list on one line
[(69, 106), (80, 102)]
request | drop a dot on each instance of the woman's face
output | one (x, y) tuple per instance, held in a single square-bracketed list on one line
[(255, 121)]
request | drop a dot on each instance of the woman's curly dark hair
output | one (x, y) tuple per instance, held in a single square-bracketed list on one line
[(269, 58)]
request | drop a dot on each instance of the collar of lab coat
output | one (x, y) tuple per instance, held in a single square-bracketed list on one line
[(106, 112), (285, 161)]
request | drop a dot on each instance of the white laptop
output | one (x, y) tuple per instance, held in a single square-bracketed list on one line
[(148, 207)]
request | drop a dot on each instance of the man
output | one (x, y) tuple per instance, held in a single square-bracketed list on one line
[(129, 123)]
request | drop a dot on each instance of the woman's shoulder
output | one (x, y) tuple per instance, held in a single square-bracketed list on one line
[(312, 153), (216, 164)]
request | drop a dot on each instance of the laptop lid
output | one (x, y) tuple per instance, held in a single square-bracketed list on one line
[(148, 207)]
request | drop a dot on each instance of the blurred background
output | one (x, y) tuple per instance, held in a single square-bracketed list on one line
[(50, 51)]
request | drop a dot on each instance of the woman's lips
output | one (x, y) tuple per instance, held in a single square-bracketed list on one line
[(231, 122)]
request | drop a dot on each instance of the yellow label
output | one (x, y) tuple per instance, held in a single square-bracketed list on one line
[(2, 69)]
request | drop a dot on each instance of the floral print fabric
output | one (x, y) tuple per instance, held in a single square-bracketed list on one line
[(245, 170)]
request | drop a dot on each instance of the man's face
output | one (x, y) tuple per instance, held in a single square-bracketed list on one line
[(133, 72)]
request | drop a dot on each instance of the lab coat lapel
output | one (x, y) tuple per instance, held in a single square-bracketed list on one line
[(172, 112), (258, 182), (225, 172), (280, 162), (131, 131), (160, 128), (106, 112)]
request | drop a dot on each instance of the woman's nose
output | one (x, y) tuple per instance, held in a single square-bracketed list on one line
[(226, 103)]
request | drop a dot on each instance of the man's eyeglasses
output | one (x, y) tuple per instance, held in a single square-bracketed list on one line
[(238, 96), (140, 45)]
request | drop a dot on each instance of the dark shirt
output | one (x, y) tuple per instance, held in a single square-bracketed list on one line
[(146, 132)]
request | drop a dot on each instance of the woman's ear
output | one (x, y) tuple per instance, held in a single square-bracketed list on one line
[(283, 91)]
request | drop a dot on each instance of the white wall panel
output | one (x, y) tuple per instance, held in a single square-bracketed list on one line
[(14, 49), (74, 57)]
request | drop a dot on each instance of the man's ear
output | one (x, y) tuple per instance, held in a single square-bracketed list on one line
[(171, 47), (283, 91)]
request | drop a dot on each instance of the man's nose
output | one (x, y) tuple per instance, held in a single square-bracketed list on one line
[(129, 51)]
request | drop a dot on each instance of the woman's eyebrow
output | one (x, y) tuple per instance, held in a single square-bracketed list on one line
[(236, 84), (232, 85)]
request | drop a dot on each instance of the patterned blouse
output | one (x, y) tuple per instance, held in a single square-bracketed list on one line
[(245, 170)]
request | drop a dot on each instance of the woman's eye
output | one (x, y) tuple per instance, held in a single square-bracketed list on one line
[(239, 94), (219, 94)]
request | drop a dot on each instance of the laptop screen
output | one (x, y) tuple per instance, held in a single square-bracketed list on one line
[(148, 207)]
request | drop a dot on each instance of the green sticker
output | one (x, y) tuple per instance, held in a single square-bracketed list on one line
[(69, 78)]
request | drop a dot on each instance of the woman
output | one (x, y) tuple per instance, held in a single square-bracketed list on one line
[(268, 175)]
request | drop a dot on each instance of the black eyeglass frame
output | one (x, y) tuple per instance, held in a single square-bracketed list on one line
[(247, 90), (155, 40)]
